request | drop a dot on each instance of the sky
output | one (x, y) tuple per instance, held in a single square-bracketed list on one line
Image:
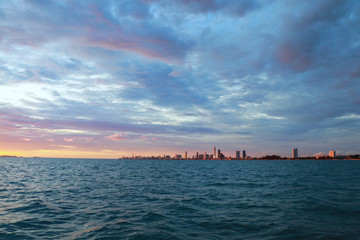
[(105, 79)]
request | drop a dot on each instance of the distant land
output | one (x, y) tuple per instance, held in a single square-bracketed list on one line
[(267, 157), (200, 157)]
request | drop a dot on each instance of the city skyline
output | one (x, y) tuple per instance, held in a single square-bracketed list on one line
[(219, 155), (103, 79)]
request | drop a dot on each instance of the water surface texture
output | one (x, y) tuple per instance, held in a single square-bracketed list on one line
[(155, 199)]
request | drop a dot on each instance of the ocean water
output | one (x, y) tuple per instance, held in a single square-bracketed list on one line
[(44, 198)]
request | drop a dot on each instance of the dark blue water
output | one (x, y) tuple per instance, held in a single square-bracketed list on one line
[(154, 199)]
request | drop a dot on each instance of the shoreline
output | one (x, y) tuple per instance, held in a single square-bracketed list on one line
[(190, 159)]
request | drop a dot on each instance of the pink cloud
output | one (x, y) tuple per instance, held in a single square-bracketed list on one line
[(162, 48), (86, 139), (117, 137)]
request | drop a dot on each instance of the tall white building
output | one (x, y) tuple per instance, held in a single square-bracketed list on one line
[(295, 153), (214, 152), (332, 154), (185, 155)]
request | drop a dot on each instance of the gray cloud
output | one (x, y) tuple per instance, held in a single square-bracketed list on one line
[(238, 8)]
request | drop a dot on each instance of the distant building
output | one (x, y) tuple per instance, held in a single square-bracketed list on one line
[(237, 154), (214, 152), (332, 154), (220, 155), (295, 153), (185, 155), (244, 154), (197, 155)]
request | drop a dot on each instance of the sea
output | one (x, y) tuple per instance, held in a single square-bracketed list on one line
[(56, 198)]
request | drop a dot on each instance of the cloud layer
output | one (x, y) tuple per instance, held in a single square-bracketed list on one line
[(158, 76)]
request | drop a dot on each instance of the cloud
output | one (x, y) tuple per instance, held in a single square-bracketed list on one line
[(238, 8), (117, 137), (125, 136), (97, 25), (72, 139)]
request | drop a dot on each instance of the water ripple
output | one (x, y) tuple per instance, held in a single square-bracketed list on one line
[(125, 199)]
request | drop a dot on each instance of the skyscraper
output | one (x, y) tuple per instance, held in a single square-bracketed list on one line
[(332, 154), (295, 153), (185, 155), (214, 152), (244, 154), (237, 154)]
